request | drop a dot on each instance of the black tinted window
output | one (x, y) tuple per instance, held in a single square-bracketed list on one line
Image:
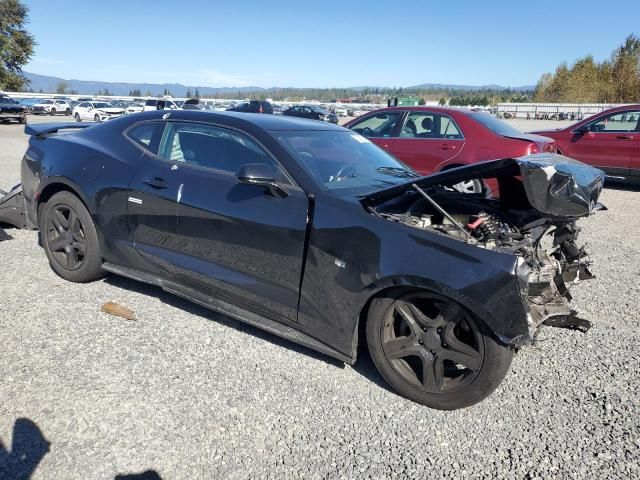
[(212, 147), (146, 135)]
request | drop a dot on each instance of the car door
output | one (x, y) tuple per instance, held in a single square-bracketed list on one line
[(427, 140), (381, 127), (609, 142), (153, 198), (237, 241)]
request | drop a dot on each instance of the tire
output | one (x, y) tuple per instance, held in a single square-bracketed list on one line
[(53, 111), (77, 117), (23, 120), (67, 112), (433, 351), (70, 239), (96, 118)]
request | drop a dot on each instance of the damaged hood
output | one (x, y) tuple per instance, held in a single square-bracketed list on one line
[(554, 185)]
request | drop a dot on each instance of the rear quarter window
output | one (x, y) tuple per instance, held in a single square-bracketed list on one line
[(146, 135)]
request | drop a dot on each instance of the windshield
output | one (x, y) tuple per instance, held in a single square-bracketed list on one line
[(101, 105), (46, 102), (344, 160), (495, 125)]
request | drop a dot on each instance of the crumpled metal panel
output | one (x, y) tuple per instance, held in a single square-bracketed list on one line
[(560, 186), (554, 185)]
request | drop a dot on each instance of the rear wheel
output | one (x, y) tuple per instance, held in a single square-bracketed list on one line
[(23, 119), (433, 351), (70, 239), (67, 112), (53, 111)]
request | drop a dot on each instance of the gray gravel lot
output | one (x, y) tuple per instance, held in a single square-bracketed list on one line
[(191, 394)]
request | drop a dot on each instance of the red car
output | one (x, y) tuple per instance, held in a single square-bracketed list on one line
[(609, 140), (430, 139)]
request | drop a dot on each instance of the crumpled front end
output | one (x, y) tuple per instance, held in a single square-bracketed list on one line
[(529, 210), (545, 274)]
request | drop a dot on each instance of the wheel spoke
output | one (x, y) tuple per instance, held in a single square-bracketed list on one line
[(406, 312), (458, 351), (57, 244), (60, 220), (398, 347), (80, 247), (72, 258), (74, 224), (432, 372)]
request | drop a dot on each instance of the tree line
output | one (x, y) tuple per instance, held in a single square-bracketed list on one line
[(615, 80)]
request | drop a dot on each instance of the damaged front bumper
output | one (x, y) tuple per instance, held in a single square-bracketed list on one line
[(544, 285), (12, 208)]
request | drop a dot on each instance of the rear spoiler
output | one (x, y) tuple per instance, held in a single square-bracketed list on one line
[(42, 129)]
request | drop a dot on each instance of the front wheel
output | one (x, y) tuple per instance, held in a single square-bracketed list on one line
[(96, 118), (53, 111), (433, 351), (77, 117), (70, 239)]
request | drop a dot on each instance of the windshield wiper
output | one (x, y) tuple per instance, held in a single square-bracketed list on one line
[(396, 172)]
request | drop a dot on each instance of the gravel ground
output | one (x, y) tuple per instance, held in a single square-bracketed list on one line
[(188, 393)]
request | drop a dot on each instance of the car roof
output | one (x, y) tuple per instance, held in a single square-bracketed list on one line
[(424, 108), (243, 120)]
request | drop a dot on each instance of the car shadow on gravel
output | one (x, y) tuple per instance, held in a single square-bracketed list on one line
[(364, 366), (28, 448), (4, 235)]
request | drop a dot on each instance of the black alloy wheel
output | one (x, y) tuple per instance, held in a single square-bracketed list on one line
[(434, 351), (66, 238), (70, 239)]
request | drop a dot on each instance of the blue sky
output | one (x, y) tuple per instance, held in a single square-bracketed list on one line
[(321, 44)]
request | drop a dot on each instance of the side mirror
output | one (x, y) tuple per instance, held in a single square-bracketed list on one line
[(583, 129), (261, 175)]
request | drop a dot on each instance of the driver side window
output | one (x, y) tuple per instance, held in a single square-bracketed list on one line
[(617, 122), (214, 148), (378, 126)]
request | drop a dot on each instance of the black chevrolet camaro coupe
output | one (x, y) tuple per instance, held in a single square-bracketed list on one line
[(309, 231)]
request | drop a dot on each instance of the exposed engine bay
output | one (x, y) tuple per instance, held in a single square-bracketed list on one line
[(509, 220)]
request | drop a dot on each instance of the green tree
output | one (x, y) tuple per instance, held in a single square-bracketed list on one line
[(16, 44), (62, 87), (197, 94), (189, 95), (442, 101), (422, 101)]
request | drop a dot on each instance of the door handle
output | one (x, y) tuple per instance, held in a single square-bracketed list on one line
[(155, 182), (625, 137), (446, 146)]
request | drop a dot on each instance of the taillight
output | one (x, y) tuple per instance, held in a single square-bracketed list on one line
[(533, 148)]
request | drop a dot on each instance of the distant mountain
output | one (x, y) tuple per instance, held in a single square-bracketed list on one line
[(473, 88), (88, 87)]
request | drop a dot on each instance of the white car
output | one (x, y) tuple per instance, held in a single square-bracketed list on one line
[(96, 111), (159, 104), (134, 108), (51, 107), (340, 111)]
